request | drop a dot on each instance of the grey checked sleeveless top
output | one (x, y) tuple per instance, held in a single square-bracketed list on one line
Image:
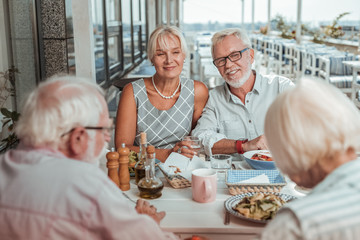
[(164, 128)]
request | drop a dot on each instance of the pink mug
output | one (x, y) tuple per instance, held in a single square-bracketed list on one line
[(204, 185)]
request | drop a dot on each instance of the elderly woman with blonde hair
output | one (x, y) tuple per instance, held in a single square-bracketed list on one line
[(313, 133), (165, 106)]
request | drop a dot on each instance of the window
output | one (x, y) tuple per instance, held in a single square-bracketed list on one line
[(120, 33)]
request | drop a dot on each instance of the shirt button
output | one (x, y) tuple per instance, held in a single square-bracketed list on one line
[(247, 101), (249, 121)]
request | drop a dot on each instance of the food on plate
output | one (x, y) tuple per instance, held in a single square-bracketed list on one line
[(177, 169), (261, 157), (260, 206), (133, 158)]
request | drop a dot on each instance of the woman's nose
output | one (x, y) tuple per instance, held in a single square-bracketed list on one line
[(169, 58)]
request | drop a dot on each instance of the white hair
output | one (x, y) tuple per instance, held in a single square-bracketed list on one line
[(309, 123), (219, 36), (160, 36), (55, 107)]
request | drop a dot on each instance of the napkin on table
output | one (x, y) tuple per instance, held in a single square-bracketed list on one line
[(185, 164), (263, 178)]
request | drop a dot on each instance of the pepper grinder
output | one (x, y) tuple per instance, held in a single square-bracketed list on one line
[(113, 165), (124, 175)]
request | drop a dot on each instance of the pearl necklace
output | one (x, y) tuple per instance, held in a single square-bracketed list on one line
[(163, 96)]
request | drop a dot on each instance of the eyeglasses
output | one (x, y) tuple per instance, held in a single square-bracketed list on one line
[(104, 130), (234, 56)]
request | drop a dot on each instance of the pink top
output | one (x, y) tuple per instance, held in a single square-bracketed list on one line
[(44, 195)]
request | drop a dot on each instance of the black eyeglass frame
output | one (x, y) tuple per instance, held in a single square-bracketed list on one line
[(241, 51), (91, 128)]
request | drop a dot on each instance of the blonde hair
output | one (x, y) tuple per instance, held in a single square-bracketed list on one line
[(55, 107), (160, 36), (219, 36), (309, 123)]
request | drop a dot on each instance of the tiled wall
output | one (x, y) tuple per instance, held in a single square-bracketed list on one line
[(41, 40), (56, 37), (22, 43)]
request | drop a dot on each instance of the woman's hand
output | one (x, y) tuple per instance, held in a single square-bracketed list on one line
[(184, 148), (144, 207)]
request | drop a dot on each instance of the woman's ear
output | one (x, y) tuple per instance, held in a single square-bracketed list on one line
[(78, 142)]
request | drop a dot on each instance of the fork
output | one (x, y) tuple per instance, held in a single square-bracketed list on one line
[(227, 218), (125, 195)]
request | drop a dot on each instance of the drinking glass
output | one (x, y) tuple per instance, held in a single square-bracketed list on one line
[(196, 145), (221, 161)]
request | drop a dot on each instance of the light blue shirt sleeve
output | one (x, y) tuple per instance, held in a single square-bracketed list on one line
[(207, 128), (226, 117)]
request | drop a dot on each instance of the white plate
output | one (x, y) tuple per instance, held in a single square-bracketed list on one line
[(231, 202)]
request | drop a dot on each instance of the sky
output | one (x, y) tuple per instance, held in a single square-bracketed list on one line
[(313, 11)]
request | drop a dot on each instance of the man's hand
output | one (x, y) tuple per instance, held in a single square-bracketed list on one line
[(258, 143), (144, 207)]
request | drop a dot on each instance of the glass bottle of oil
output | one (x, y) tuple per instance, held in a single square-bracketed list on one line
[(150, 186), (140, 165)]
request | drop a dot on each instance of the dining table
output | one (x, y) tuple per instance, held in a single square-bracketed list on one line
[(186, 217)]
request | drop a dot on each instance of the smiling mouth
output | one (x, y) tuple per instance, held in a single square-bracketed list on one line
[(232, 72), (169, 68)]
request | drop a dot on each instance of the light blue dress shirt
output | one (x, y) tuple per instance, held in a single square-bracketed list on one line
[(330, 211), (226, 117)]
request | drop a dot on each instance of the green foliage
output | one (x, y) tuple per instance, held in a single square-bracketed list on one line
[(334, 30), (336, 20), (282, 26), (10, 118), (7, 89)]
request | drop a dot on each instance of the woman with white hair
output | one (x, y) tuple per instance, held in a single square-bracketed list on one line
[(165, 106), (313, 133)]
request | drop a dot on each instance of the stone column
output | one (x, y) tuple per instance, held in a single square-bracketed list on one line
[(56, 38)]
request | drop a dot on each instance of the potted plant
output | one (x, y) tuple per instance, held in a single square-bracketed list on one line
[(334, 30), (9, 116)]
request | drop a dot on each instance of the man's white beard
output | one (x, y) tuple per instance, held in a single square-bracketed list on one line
[(90, 156), (238, 83)]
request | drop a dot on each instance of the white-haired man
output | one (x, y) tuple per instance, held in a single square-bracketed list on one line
[(233, 118), (314, 141), (51, 186)]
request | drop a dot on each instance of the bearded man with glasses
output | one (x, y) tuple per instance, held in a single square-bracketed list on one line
[(51, 186), (233, 118)]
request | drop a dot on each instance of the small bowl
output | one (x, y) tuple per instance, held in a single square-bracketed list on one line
[(258, 164)]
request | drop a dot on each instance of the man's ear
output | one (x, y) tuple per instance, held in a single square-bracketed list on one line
[(78, 142), (252, 55)]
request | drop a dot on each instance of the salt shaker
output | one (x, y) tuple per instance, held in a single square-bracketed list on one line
[(124, 175), (113, 165)]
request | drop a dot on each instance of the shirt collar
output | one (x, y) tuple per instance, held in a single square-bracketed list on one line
[(227, 92), (258, 80), (343, 173), (45, 150), (257, 86)]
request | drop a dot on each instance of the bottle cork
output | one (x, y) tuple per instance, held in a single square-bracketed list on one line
[(113, 165), (124, 175), (143, 138), (150, 149)]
